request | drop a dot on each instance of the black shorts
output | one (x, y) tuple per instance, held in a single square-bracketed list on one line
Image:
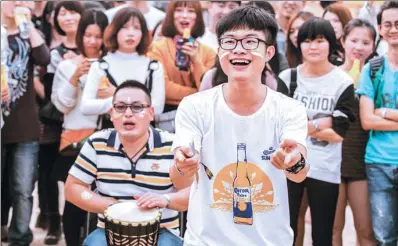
[(351, 179)]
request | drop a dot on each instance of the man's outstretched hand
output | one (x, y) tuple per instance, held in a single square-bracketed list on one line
[(287, 155)]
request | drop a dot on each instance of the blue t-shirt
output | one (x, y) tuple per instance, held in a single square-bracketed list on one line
[(382, 147)]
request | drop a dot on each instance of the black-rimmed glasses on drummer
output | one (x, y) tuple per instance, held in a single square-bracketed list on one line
[(249, 43), (135, 107)]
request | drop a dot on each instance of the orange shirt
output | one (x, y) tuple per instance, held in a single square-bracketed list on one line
[(178, 83)]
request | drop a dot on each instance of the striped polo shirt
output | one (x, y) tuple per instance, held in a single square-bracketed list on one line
[(102, 160)]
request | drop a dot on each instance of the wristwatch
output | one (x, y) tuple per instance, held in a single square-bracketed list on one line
[(315, 124), (298, 166), (168, 198)]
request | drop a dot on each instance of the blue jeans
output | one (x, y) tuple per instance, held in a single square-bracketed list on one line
[(21, 161), (383, 193), (98, 238)]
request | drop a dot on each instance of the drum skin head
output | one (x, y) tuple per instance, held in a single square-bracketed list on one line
[(129, 212)]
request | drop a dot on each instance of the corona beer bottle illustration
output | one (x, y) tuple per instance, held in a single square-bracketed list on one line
[(242, 199)]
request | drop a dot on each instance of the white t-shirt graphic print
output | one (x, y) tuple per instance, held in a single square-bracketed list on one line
[(206, 118)]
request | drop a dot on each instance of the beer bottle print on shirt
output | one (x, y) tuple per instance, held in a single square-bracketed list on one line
[(242, 197)]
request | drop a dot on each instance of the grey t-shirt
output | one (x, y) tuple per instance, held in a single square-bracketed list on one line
[(331, 95)]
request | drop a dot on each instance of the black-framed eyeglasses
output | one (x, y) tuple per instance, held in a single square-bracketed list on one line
[(388, 25), (249, 43), (135, 107)]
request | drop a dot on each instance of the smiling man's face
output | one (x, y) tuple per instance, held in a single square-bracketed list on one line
[(241, 64)]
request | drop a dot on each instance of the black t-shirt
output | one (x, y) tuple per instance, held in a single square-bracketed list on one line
[(22, 123)]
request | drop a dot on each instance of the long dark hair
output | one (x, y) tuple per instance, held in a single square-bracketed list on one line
[(45, 26), (91, 16)]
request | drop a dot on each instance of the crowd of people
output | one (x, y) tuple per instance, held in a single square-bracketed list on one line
[(155, 101)]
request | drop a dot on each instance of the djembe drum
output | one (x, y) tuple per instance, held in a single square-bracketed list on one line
[(127, 224)]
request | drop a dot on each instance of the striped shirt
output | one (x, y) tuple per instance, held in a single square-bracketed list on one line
[(102, 160)]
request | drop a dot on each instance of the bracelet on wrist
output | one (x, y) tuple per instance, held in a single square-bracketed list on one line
[(296, 168), (315, 125)]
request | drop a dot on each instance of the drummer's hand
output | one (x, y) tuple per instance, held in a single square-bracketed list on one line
[(151, 200), (186, 161)]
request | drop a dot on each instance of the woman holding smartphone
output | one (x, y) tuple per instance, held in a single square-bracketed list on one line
[(181, 78)]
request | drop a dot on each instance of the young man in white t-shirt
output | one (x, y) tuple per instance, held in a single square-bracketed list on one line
[(246, 140)]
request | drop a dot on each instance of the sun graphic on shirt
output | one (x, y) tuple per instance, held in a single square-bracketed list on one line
[(262, 191)]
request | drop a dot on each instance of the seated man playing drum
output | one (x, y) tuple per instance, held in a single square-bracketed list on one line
[(128, 163)]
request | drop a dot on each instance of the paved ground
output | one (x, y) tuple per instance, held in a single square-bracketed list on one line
[(349, 235)]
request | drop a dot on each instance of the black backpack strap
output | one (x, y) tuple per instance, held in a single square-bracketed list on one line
[(378, 42), (293, 81), (375, 64), (104, 65), (157, 140), (152, 66), (61, 50)]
